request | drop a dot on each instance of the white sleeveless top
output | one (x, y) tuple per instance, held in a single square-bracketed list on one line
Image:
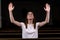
[(30, 31)]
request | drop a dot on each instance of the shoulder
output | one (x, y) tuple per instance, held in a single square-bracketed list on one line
[(22, 23), (37, 23)]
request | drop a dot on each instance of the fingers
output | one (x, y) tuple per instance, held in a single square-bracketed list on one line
[(10, 7), (44, 8), (13, 7), (47, 5)]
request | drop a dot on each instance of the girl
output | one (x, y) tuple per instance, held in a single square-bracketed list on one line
[(29, 28)]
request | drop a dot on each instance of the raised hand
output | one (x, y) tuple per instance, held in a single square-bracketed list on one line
[(47, 7), (10, 7)]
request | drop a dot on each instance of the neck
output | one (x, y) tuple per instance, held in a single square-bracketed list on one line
[(30, 21)]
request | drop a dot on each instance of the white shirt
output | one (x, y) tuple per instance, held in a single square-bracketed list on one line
[(30, 31)]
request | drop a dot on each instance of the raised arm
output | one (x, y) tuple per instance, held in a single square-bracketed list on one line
[(47, 9), (11, 8)]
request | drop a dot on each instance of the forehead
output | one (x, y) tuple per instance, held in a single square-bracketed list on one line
[(30, 12)]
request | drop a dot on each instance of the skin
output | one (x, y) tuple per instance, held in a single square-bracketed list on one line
[(30, 15)]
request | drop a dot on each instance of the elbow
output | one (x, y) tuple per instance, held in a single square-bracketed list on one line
[(47, 21), (12, 21)]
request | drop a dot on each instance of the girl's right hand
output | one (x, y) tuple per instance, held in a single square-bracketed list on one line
[(10, 7)]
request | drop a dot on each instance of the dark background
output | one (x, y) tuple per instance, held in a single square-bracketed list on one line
[(21, 8)]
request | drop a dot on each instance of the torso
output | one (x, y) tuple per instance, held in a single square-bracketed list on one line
[(30, 31)]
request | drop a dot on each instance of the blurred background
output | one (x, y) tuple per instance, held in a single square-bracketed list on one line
[(20, 11), (21, 8), (0, 13)]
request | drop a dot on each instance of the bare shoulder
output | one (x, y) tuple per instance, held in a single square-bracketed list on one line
[(37, 23), (22, 23)]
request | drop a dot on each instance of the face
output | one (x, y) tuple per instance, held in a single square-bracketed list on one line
[(30, 16)]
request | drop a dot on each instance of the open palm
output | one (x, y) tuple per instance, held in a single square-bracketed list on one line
[(10, 7), (47, 7)]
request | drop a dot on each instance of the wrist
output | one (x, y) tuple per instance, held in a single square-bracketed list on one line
[(10, 11), (48, 12)]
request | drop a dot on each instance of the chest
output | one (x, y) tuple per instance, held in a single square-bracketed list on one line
[(30, 28)]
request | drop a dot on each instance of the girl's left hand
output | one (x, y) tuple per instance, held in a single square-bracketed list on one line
[(47, 7)]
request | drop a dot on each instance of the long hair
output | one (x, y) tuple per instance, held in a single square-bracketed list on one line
[(34, 22)]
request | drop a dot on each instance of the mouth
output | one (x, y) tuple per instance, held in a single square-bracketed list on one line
[(30, 19)]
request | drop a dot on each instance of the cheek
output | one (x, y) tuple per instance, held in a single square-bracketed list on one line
[(27, 17), (32, 16)]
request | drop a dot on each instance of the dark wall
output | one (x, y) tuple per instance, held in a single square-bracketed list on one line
[(21, 7)]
